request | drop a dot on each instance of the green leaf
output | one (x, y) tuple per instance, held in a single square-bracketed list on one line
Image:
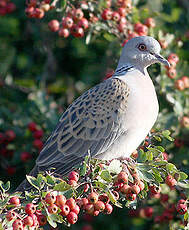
[(149, 155), (83, 170), (157, 138), (105, 175), (51, 222), (186, 216), (33, 181), (157, 175), (6, 186), (166, 134), (101, 185), (50, 180), (113, 200), (63, 3), (171, 167), (146, 176), (142, 157), (183, 185), (182, 176), (62, 186), (41, 179)]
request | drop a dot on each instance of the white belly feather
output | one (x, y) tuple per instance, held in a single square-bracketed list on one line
[(141, 114)]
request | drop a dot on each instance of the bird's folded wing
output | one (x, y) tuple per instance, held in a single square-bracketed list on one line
[(91, 123)]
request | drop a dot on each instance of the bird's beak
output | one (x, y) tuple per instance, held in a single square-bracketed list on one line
[(162, 60)]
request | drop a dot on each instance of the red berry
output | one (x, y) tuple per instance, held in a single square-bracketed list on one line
[(32, 126), (11, 170), (122, 177), (38, 134), (71, 203), (28, 221), (141, 29), (45, 7), (82, 202), (78, 14), (39, 13), (76, 209), (131, 196), (25, 156), (73, 176), (141, 185), (170, 181), (109, 74), (116, 195), (185, 79), (106, 14), (148, 211), (178, 142), (104, 198), (73, 183), (17, 225), (181, 201), (108, 208), (64, 32), (99, 206), (72, 217), (35, 220), (179, 84), (115, 16), (38, 144), (30, 208), (77, 31), (163, 44), (42, 220), (150, 22), (53, 25), (32, 3), (185, 121), (124, 188), (171, 73), (173, 57), (83, 23), (89, 208), (15, 201), (87, 227), (50, 198), (154, 189), (86, 187), (60, 200), (164, 197), (93, 197), (10, 215), (181, 208), (10, 7), (10, 135), (52, 208), (67, 22), (135, 189), (65, 210), (122, 11), (172, 64)]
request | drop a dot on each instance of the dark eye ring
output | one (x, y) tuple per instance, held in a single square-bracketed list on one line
[(142, 47)]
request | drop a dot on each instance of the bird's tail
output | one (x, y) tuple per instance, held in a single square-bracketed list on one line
[(25, 185)]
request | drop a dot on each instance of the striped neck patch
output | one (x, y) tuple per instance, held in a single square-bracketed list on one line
[(122, 70)]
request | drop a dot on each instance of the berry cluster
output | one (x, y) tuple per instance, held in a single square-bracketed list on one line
[(91, 189), (74, 22), (182, 83), (37, 135), (6, 7), (173, 60), (37, 9), (8, 141)]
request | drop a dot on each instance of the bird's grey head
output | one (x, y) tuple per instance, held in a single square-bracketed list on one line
[(141, 52)]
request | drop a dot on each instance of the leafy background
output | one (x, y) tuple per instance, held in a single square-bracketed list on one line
[(41, 74)]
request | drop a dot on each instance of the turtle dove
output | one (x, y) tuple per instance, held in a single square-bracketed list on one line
[(111, 119)]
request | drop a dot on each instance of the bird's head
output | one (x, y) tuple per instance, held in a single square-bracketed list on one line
[(142, 52)]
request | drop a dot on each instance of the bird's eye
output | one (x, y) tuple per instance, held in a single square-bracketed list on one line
[(142, 47)]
